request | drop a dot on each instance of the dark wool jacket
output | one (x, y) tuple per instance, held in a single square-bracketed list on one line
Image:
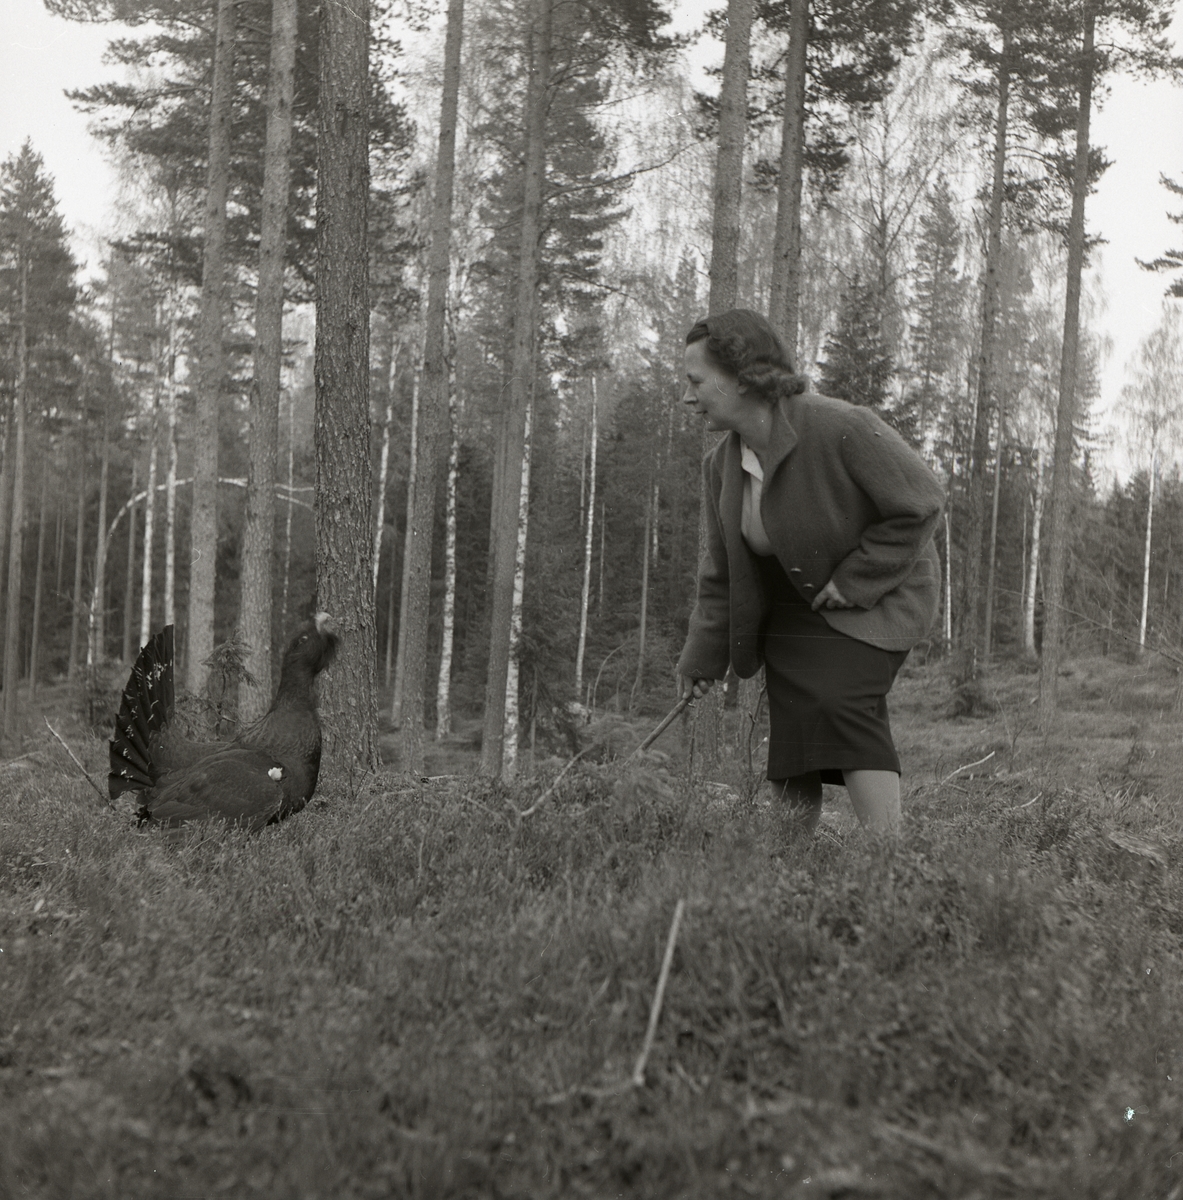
[(844, 497)]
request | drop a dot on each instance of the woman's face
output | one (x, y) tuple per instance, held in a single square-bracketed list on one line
[(711, 392)]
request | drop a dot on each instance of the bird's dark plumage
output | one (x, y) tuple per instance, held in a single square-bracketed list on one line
[(267, 773)]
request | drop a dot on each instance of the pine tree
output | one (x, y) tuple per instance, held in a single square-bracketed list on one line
[(858, 366)]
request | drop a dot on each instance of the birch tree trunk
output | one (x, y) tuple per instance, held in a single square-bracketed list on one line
[(203, 534), (443, 692), (785, 296), (948, 578), (509, 764), (969, 647), (96, 622), (287, 521), (507, 477), (344, 477), (992, 553), (130, 583), (35, 639), (149, 538), (170, 482), (1033, 564), (588, 539), (433, 407), (258, 542), (642, 627), (1061, 492), (396, 700), (1146, 553)]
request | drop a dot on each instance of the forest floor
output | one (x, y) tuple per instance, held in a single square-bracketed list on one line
[(411, 990)]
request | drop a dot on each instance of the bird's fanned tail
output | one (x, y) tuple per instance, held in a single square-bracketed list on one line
[(145, 712)]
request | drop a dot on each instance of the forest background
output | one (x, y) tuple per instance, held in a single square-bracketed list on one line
[(899, 275)]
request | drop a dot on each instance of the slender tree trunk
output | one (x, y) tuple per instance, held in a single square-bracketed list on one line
[(130, 584), (443, 693), (35, 640), (59, 547), (170, 508), (588, 538), (149, 538), (433, 407), (786, 251), (733, 114), (16, 536), (992, 554), (1033, 563), (600, 582), (507, 477), (258, 543), (1146, 553), (642, 627), (948, 578), (969, 649), (203, 535), (287, 521), (79, 539), (96, 624), (384, 472), (396, 700), (513, 674), (1061, 495), (344, 477)]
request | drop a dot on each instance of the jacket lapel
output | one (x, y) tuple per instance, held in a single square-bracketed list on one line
[(780, 442)]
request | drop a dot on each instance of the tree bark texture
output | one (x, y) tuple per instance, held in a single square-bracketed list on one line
[(443, 692), (785, 295), (513, 675), (507, 472), (396, 699), (149, 537), (588, 541), (258, 539), (733, 120), (1061, 491), (203, 529), (344, 481), (16, 535), (1033, 562), (433, 407), (992, 552), (969, 642)]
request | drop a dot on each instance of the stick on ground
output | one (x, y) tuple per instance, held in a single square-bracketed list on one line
[(659, 995), (89, 779)]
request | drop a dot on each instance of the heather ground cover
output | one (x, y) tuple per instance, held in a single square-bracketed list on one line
[(410, 990)]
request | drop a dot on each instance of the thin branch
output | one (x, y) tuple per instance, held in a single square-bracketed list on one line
[(658, 996), (78, 764), (954, 774)]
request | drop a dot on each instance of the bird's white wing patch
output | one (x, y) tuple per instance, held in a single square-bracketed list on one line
[(276, 773)]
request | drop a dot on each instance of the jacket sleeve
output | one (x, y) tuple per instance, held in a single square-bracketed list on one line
[(908, 497), (706, 654)]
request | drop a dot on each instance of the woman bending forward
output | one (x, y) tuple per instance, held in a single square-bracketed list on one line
[(819, 564)]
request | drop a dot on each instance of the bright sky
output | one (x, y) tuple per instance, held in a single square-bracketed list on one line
[(1140, 126)]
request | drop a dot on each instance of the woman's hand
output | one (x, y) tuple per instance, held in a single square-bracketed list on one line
[(691, 688), (830, 597)]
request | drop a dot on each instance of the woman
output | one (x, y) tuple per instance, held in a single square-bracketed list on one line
[(819, 563)]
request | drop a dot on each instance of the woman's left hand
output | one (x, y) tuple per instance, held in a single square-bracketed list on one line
[(830, 597)]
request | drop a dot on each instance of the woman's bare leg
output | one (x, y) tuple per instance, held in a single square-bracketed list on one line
[(876, 798), (797, 803)]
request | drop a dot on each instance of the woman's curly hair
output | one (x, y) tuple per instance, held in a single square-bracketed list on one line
[(744, 344)]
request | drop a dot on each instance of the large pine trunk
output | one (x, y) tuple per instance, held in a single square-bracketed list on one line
[(724, 277), (507, 469), (344, 480), (203, 529), (258, 540), (433, 405), (513, 674), (1061, 491), (785, 296), (968, 660)]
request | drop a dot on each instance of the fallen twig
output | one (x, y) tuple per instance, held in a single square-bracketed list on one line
[(658, 996), (669, 719), (529, 812), (102, 795), (968, 766)]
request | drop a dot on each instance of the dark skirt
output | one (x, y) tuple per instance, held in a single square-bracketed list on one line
[(827, 691)]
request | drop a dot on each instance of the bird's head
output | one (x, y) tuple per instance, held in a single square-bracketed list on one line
[(314, 645)]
